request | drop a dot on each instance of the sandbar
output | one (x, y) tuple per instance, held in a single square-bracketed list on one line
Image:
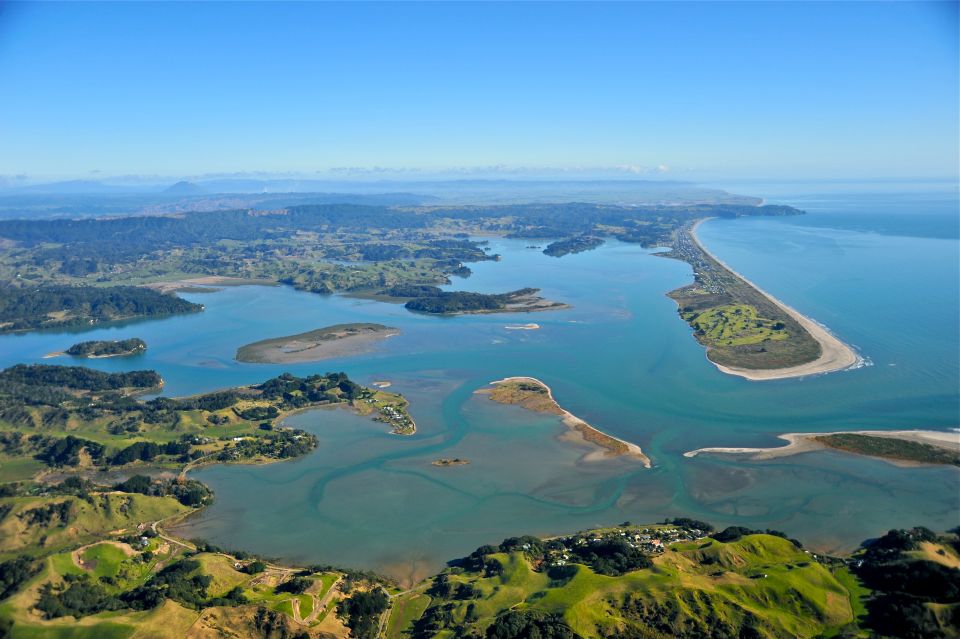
[(339, 340)]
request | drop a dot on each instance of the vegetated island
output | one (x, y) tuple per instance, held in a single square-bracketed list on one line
[(435, 301), (339, 340), (746, 331), (902, 447), (59, 306), (533, 394), (456, 461), (108, 348), (576, 244)]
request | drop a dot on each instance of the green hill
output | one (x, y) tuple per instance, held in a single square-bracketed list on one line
[(37, 524), (757, 586), (631, 582)]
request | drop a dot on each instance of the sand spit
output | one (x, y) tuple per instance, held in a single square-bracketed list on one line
[(579, 430), (805, 442), (834, 355)]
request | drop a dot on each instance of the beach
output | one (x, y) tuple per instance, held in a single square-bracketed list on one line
[(834, 354), (580, 431)]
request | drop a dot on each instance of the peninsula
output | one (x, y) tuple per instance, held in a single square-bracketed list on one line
[(534, 395), (571, 245), (57, 306), (746, 331), (92, 418), (902, 447), (339, 340)]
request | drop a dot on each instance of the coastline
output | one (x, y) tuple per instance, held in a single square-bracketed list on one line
[(834, 354), (579, 430), (798, 443)]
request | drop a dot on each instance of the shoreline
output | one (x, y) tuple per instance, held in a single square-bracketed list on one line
[(834, 354), (798, 443), (577, 426)]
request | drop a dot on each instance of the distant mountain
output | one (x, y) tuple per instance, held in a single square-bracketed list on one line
[(76, 187), (184, 188)]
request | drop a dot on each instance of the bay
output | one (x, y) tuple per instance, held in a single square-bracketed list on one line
[(621, 359)]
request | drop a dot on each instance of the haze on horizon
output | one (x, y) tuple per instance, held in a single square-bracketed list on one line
[(398, 91)]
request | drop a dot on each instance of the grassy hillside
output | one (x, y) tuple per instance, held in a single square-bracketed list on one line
[(120, 568), (631, 582), (757, 586), (43, 524)]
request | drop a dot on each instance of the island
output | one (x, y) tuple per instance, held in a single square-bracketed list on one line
[(108, 348), (577, 244), (746, 331), (456, 461), (432, 300), (534, 395), (339, 340), (901, 447)]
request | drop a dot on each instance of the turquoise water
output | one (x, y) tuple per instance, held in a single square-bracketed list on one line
[(619, 358)]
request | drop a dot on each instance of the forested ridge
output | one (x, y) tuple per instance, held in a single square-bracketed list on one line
[(60, 306)]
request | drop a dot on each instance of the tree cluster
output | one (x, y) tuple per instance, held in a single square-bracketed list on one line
[(906, 591), (362, 610)]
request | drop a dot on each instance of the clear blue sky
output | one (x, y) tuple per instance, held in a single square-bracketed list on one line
[(747, 90)]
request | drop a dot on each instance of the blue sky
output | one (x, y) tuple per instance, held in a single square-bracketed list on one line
[(752, 90)]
